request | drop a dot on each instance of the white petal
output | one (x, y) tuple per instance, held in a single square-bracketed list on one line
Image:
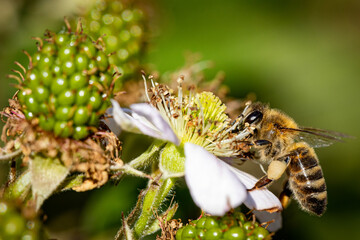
[(123, 120), (213, 187), (260, 199), (142, 118), (264, 216), (165, 131), (110, 122)]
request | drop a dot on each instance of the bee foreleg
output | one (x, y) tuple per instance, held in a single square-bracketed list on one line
[(263, 143), (261, 183)]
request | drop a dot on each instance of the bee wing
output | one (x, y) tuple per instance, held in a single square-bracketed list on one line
[(318, 137)]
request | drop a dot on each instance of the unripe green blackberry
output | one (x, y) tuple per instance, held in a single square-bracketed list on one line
[(230, 227), (68, 84), (121, 26), (16, 224)]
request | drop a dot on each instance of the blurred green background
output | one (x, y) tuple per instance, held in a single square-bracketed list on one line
[(300, 56)]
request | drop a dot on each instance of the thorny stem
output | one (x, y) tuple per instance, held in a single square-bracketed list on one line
[(149, 156), (131, 218), (142, 220), (155, 196)]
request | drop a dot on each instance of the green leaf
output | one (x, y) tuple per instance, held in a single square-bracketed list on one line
[(46, 176)]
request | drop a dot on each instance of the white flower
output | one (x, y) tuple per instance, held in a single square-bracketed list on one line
[(197, 126)]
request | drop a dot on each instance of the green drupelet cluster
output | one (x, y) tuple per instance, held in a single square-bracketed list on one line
[(230, 227), (121, 26), (14, 225), (68, 84)]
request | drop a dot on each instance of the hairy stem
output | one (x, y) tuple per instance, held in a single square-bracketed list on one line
[(11, 155)]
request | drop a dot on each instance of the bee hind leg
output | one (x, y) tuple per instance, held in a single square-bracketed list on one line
[(285, 195), (275, 171)]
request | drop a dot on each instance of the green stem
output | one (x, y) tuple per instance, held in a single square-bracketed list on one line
[(130, 219), (155, 196), (151, 155)]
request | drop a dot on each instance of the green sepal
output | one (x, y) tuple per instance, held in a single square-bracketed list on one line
[(129, 233), (20, 188), (149, 156), (71, 181), (172, 161), (46, 175)]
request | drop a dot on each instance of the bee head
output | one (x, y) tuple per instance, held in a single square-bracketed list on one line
[(255, 114), (254, 117)]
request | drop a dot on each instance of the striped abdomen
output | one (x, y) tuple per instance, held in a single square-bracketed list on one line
[(306, 179)]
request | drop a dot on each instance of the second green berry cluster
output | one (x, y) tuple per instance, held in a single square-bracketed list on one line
[(229, 227), (14, 225), (121, 25)]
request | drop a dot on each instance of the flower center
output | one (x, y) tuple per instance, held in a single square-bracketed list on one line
[(197, 118)]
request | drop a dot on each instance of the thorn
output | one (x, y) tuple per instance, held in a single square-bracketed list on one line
[(91, 71), (16, 86), (14, 77), (112, 53), (266, 224), (116, 75), (79, 28), (251, 210), (21, 66), (99, 86), (98, 41), (68, 26), (201, 215), (18, 72), (40, 41), (30, 59)]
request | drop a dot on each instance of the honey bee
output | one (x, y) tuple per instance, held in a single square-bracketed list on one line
[(275, 139)]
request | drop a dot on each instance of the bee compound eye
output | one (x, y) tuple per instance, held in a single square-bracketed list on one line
[(254, 117)]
